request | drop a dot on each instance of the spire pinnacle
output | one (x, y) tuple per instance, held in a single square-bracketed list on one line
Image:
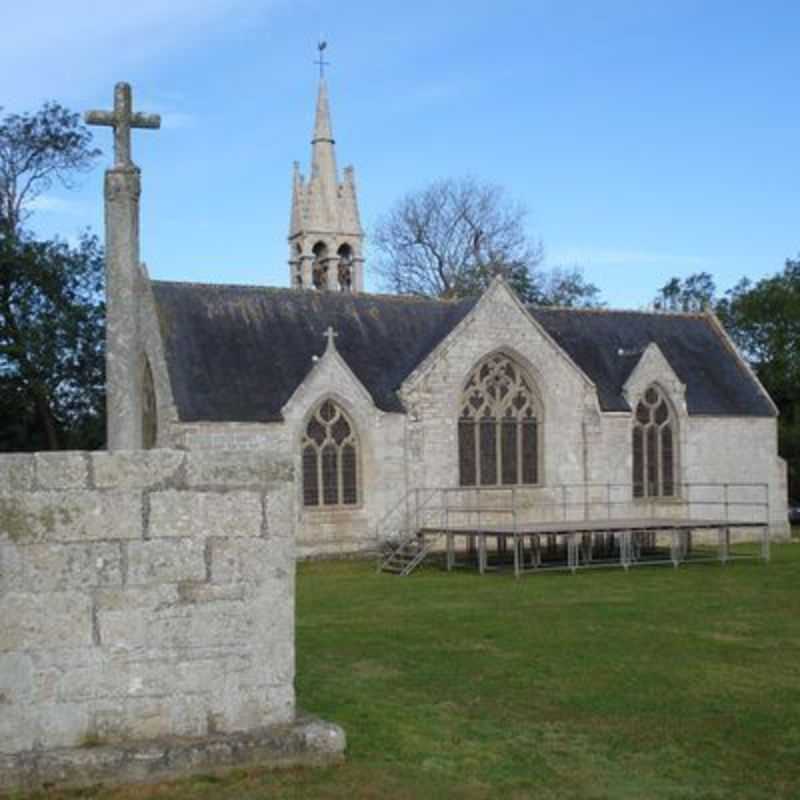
[(323, 131)]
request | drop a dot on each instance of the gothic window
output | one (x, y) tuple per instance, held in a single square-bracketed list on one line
[(345, 253), (319, 267), (149, 414), (653, 446), (498, 430), (330, 462)]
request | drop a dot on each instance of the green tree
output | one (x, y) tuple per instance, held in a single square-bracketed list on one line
[(52, 370), (452, 237), (51, 310), (696, 292), (764, 320)]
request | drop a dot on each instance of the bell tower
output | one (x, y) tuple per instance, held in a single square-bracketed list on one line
[(325, 234)]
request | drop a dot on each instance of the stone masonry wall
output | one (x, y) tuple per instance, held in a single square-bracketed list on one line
[(142, 595)]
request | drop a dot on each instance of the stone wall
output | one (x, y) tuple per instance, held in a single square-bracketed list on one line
[(143, 595)]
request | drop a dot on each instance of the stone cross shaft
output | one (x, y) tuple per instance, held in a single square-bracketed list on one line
[(122, 119)]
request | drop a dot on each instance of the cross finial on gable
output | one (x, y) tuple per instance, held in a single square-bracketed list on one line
[(122, 119), (330, 334)]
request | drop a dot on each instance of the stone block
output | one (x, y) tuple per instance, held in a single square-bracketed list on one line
[(15, 679), (34, 621), (62, 725), (190, 592), (133, 718), (17, 729), (248, 560), (61, 470), (280, 511), (56, 567), (235, 469), (16, 472), (70, 516), (200, 514), (249, 709), (121, 676), (123, 615), (137, 469), (156, 621), (158, 561)]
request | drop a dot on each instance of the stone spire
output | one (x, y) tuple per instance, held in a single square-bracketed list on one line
[(325, 235)]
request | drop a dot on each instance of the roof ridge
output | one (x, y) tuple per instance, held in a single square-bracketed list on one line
[(610, 311), (297, 291)]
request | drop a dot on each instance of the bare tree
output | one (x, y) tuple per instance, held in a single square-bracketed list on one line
[(36, 150), (450, 238)]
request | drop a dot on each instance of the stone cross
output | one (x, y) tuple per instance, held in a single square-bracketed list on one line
[(122, 119), (330, 334)]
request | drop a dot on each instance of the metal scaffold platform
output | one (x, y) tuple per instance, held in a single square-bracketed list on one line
[(498, 530)]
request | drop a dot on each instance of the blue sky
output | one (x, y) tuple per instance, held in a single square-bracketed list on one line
[(647, 139)]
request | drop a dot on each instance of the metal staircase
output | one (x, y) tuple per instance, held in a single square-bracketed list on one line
[(407, 556), (404, 547)]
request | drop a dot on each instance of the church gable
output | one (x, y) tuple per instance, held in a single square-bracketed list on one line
[(497, 322), (654, 369), (330, 375)]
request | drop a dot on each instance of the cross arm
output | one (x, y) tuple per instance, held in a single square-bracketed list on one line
[(139, 120), (100, 118)]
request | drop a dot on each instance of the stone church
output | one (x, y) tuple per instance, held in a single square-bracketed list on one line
[(378, 396)]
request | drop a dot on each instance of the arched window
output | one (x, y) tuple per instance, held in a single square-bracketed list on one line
[(345, 253), (319, 267), (498, 430), (654, 446), (149, 413), (330, 463)]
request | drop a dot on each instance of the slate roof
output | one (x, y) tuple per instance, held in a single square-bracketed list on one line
[(607, 345), (237, 353)]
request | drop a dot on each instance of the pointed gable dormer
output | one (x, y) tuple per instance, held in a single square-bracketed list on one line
[(325, 234)]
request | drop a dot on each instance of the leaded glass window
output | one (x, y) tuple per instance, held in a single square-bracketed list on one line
[(330, 458), (498, 429), (653, 446)]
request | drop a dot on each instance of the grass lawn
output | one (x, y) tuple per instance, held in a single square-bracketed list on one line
[(653, 684)]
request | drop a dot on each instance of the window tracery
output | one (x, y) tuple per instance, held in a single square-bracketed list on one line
[(498, 429), (653, 446), (330, 450)]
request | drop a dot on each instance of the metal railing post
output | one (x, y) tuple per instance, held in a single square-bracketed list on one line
[(725, 488), (514, 524)]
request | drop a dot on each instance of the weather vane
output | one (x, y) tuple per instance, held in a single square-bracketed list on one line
[(321, 45)]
